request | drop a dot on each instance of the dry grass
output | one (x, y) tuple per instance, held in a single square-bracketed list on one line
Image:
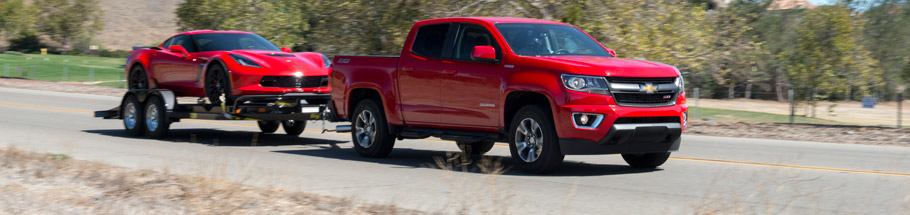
[(32, 183)]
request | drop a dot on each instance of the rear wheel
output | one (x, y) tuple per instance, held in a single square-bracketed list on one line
[(647, 160), (132, 114), (475, 148), (218, 85), (533, 141), (156, 119), (268, 127), (292, 127), (138, 79), (371, 134)]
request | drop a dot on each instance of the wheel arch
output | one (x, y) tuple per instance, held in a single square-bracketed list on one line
[(515, 100)]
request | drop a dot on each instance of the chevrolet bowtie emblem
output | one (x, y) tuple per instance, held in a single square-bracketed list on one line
[(648, 88)]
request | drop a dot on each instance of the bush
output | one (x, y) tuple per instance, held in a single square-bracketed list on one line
[(114, 53), (28, 44)]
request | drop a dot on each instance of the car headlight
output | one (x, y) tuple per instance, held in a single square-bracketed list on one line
[(681, 84), (244, 61), (588, 84), (326, 61)]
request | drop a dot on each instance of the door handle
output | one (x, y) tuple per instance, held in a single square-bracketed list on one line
[(408, 69), (450, 71)]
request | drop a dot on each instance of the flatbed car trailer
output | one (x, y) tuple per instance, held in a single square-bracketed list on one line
[(149, 112)]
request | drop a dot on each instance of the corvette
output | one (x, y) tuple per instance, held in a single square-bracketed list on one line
[(222, 65)]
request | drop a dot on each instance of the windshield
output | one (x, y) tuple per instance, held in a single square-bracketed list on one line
[(231, 41), (527, 39)]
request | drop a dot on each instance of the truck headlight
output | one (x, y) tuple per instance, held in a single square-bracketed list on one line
[(588, 84), (244, 61)]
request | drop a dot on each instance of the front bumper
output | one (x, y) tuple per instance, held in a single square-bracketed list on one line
[(628, 138)]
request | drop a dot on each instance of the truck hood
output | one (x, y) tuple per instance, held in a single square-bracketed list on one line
[(615, 67), (281, 62)]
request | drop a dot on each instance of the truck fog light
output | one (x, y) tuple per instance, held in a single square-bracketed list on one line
[(587, 120)]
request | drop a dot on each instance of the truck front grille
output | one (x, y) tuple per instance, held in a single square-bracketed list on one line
[(640, 98), (294, 82), (635, 97), (641, 80)]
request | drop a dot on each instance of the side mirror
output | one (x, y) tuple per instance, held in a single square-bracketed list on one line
[(612, 52), (181, 50), (286, 49), (483, 54)]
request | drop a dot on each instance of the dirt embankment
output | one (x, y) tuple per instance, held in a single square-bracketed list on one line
[(33, 183)]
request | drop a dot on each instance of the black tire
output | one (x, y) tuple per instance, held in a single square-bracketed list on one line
[(370, 135), (648, 160), (293, 128), (475, 148), (132, 112), (138, 79), (156, 120), (550, 157), (217, 84), (268, 127)]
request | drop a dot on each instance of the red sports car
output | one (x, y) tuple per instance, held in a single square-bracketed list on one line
[(226, 64)]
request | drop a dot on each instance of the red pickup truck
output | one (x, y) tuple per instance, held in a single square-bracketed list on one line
[(546, 88)]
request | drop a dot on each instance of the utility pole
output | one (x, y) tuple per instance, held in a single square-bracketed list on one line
[(900, 100)]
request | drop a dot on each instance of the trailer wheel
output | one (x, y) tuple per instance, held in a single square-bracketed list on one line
[(132, 113), (156, 119), (371, 134), (647, 161), (268, 127), (475, 148), (292, 127), (532, 140)]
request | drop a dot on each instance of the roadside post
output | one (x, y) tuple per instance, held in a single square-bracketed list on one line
[(65, 71), (91, 74), (19, 70), (6, 69), (792, 106), (697, 108), (900, 100)]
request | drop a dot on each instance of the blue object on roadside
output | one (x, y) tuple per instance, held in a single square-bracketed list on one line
[(869, 102)]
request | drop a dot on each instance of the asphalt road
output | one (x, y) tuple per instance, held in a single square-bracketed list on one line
[(708, 175)]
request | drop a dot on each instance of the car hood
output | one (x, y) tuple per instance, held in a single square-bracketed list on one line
[(615, 67), (282, 62)]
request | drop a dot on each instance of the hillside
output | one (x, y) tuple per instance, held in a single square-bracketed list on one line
[(129, 23)]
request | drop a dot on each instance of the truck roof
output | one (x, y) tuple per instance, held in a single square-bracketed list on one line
[(491, 20)]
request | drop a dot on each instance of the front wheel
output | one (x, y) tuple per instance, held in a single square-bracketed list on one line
[(218, 86), (533, 142), (475, 148), (268, 127), (293, 128), (371, 134), (647, 160)]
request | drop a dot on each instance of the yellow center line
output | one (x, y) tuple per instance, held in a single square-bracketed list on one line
[(506, 145)]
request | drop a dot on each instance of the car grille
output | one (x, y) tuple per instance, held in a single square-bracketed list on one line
[(294, 82), (641, 99), (663, 119)]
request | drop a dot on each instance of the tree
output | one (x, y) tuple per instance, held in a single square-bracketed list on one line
[(15, 19), (886, 35), (65, 20), (827, 56)]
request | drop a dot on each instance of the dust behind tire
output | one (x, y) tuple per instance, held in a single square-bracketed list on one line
[(370, 133), (475, 148), (534, 148), (293, 127), (156, 120), (268, 127), (648, 160), (131, 112)]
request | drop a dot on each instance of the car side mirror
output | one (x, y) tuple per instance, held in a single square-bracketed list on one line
[(180, 49), (612, 52), (286, 49), (483, 54)]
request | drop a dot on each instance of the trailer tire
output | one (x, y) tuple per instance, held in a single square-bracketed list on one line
[(293, 128), (646, 161), (370, 135), (133, 118), (268, 127), (157, 123)]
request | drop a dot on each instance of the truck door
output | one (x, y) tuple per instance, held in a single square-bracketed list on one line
[(472, 89), (421, 71)]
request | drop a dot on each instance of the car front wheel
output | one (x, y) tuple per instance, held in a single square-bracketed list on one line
[(533, 142)]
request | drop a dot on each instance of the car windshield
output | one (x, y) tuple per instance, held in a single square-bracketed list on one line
[(232, 41), (527, 39)]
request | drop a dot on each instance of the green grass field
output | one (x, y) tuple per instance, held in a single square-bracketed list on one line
[(50, 67), (723, 115)]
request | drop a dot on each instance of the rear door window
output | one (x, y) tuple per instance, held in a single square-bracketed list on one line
[(431, 41)]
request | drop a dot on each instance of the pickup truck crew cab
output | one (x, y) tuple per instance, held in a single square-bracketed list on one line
[(546, 88)]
